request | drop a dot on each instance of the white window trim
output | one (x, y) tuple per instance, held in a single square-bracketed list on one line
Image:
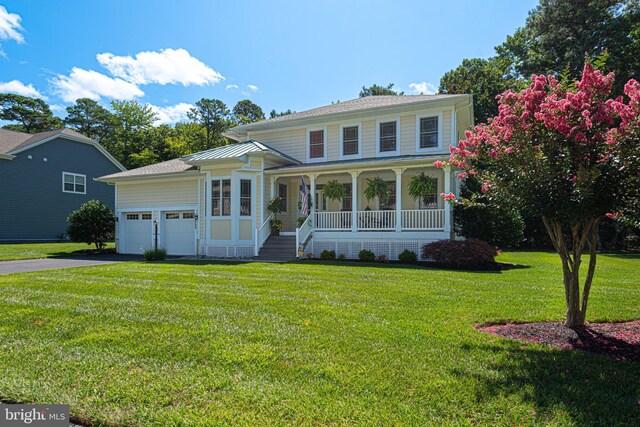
[(430, 149), (387, 153), (210, 197), (74, 185), (351, 156), (324, 134)]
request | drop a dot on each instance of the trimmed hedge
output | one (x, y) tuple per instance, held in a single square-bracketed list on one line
[(407, 257), (367, 256), (328, 255), (463, 254)]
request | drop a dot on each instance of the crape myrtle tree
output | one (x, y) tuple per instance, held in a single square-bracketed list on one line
[(567, 154)]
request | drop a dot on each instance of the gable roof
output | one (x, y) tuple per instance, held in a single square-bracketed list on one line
[(12, 142), (188, 163), (352, 106)]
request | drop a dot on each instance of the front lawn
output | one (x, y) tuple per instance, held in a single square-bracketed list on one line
[(188, 343), (11, 251)]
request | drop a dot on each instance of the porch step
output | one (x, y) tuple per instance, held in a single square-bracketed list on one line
[(278, 248)]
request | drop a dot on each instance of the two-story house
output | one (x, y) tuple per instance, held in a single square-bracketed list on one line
[(215, 202)]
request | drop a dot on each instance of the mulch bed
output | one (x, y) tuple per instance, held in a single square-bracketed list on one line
[(94, 251), (620, 341)]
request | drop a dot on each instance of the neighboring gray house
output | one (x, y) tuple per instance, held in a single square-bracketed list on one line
[(46, 176)]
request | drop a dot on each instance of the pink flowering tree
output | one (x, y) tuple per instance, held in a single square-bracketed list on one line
[(565, 155)]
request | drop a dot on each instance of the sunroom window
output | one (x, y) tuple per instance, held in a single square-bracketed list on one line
[(245, 197), (221, 197)]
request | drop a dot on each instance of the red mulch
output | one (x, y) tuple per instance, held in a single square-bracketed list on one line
[(620, 341)]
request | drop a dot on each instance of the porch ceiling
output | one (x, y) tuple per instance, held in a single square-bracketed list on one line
[(359, 164)]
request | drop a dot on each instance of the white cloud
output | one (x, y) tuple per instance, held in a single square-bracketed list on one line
[(91, 84), (253, 88), (16, 86), (10, 27), (231, 87), (423, 88), (172, 113), (168, 66)]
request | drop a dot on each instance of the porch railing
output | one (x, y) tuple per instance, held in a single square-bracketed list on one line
[(302, 235), (423, 219), (376, 220), (333, 221), (414, 220), (262, 234)]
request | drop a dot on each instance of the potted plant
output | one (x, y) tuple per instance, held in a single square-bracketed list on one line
[(275, 207), (377, 187), (334, 190), (421, 187)]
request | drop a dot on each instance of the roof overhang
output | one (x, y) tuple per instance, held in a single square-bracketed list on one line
[(7, 157), (71, 138), (239, 132), (149, 177)]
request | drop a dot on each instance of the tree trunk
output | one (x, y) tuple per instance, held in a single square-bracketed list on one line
[(570, 246)]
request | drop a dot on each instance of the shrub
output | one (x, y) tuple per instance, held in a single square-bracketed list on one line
[(92, 223), (382, 259), (466, 254), (342, 257), (500, 226), (155, 254), (367, 256), (407, 257), (328, 255)]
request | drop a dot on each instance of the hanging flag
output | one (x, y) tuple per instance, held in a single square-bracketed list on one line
[(304, 199)]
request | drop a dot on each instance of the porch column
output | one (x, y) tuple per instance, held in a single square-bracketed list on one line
[(354, 200), (398, 198), (312, 196), (447, 206), (273, 187)]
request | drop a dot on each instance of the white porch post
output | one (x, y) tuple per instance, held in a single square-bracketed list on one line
[(398, 198), (447, 206), (312, 179), (354, 200), (273, 187)]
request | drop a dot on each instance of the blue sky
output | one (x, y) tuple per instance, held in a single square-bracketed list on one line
[(280, 54)]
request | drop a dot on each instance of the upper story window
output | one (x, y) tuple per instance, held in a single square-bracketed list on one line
[(316, 144), (428, 132), (350, 140), (74, 183), (221, 197), (245, 197), (388, 136)]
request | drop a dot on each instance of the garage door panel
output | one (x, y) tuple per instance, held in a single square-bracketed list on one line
[(179, 232), (137, 232)]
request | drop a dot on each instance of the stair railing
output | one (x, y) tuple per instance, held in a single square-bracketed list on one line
[(262, 234), (303, 233)]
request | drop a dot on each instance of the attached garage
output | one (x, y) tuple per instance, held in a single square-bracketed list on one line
[(178, 232), (138, 231)]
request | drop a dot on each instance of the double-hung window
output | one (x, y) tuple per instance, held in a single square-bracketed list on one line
[(74, 183), (350, 141), (390, 203), (245, 197), (221, 197), (388, 136), (347, 202), (316, 144), (428, 132)]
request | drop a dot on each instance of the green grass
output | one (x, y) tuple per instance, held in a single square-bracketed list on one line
[(11, 251), (188, 343)]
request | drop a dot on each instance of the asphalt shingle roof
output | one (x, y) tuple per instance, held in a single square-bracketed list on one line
[(12, 141), (170, 166), (353, 105)]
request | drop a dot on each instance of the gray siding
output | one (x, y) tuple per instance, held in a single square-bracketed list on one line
[(32, 203)]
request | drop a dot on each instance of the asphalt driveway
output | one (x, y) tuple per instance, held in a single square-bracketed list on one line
[(24, 265)]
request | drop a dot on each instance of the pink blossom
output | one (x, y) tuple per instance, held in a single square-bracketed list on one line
[(463, 175), (448, 197), (615, 215), (439, 164)]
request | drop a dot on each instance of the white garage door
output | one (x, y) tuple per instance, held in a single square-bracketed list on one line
[(137, 232), (179, 232)]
